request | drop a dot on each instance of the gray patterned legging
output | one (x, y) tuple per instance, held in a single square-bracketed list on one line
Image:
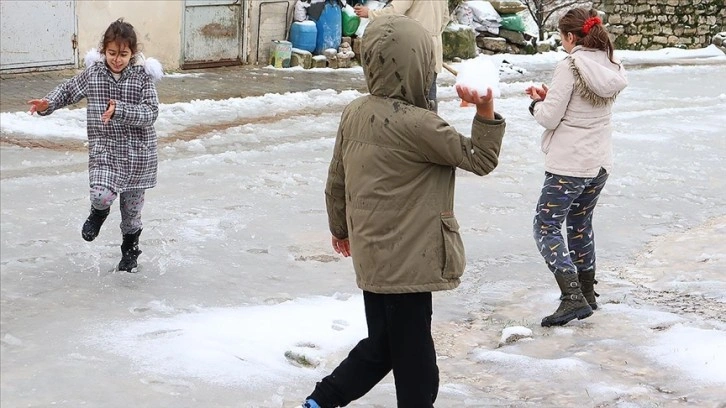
[(132, 202), (572, 199)]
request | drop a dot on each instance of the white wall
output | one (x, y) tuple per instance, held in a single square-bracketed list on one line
[(158, 25)]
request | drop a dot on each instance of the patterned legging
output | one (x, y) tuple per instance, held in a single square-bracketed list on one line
[(132, 202), (571, 199)]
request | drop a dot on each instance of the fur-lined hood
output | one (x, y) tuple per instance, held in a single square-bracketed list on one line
[(151, 66), (596, 79)]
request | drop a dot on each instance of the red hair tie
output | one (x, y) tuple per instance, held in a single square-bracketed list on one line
[(590, 23)]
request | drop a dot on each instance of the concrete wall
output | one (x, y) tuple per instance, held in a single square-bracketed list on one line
[(158, 25), (655, 24)]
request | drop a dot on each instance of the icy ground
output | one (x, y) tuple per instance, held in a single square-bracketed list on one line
[(237, 269)]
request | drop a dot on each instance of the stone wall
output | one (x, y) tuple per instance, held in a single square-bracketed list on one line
[(655, 24)]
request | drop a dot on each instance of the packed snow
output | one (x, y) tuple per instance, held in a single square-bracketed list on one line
[(479, 74), (240, 301)]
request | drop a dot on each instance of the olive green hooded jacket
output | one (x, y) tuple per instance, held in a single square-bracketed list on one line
[(390, 186)]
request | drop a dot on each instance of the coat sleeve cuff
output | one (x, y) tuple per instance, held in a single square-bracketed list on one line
[(531, 106), (118, 112), (339, 232), (49, 110), (498, 119)]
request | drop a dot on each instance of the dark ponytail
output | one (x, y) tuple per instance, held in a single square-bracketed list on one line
[(586, 26)]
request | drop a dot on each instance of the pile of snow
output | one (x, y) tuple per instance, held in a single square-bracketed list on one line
[(245, 346), (513, 334)]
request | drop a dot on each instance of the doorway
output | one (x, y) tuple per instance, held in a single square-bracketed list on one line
[(37, 35), (212, 33)]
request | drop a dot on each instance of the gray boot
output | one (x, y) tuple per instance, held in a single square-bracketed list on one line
[(572, 303), (587, 283)]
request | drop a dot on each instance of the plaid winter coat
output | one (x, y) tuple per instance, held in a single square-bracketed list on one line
[(122, 154)]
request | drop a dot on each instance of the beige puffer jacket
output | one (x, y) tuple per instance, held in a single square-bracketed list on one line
[(390, 186), (576, 113), (432, 14)]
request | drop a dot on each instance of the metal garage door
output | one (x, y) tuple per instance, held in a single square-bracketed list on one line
[(37, 34), (212, 32)]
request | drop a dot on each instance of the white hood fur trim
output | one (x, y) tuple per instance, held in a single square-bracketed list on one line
[(92, 57), (152, 66)]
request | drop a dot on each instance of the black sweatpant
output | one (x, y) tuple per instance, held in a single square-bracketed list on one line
[(399, 339)]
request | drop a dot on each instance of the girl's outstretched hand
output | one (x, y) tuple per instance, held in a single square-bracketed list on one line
[(543, 91), (109, 111), (37, 105), (484, 104), (471, 96), (537, 93)]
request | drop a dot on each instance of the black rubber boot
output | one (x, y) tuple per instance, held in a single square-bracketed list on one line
[(130, 252), (572, 303), (93, 223), (587, 283)]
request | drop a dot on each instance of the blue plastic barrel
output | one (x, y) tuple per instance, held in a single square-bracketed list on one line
[(330, 27), (304, 35)]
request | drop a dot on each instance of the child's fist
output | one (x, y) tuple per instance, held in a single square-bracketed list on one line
[(38, 105), (110, 109)]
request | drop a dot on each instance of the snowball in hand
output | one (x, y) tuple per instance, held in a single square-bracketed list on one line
[(479, 74)]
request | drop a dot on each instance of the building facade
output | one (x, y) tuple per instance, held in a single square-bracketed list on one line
[(56, 34)]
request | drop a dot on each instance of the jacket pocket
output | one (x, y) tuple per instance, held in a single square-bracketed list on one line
[(454, 257), (99, 156)]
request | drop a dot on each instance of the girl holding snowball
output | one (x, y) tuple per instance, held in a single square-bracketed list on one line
[(575, 111)]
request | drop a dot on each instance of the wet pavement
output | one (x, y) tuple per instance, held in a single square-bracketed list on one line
[(237, 221), (210, 83)]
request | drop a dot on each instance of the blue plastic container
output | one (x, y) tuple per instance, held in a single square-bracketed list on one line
[(304, 35), (330, 27)]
